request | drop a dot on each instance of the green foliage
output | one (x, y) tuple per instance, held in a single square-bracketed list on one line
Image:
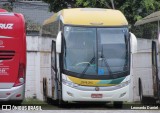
[(147, 31), (92, 3), (137, 9), (32, 26), (7, 7), (132, 9), (31, 101), (56, 5)]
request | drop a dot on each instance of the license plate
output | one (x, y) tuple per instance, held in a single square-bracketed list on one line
[(96, 95)]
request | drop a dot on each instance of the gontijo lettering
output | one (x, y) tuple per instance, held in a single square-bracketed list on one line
[(6, 26)]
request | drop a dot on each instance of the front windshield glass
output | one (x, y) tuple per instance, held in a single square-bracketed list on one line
[(112, 51), (95, 51), (80, 49)]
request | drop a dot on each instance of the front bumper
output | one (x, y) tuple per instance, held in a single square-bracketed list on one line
[(72, 94)]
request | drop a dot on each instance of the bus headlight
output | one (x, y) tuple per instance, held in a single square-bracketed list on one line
[(123, 84), (70, 84)]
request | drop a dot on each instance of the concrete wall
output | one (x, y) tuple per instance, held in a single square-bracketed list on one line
[(38, 65)]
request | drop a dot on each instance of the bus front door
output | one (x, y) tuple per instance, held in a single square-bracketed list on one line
[(155, 69), (54, 71)]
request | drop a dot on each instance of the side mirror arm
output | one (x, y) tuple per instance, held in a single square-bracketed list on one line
[(133, 43), (59, 42)]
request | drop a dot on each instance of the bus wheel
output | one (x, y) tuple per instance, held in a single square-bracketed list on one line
[(141, 93), (62, 104), (19, 102), (45, 89), (118, 104), (143, 99), (16, 103)]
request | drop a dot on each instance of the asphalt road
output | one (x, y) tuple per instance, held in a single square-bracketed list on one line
[(87, 108), (84, 111)]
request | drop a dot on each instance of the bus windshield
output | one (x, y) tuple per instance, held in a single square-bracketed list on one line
[(95, 51)]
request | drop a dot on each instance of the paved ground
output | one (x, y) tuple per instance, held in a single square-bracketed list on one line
[(85, 107), (84, 111)]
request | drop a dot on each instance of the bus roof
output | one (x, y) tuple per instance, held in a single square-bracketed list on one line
[(90, 17), (2, 10), (150, 18)]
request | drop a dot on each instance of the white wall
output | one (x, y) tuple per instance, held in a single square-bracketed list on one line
[(38, 65)]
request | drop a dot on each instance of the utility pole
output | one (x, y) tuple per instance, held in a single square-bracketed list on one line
[(112, 2)]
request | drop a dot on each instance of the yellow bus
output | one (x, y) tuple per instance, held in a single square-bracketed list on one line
[(91, 56)]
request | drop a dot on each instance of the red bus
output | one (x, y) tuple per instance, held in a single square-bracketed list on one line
[(12, 56)]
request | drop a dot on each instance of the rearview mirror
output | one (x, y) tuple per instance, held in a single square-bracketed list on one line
[(59, 42), (133, 42)]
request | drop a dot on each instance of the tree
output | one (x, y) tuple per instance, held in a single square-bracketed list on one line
[(93, 3), (132, 9), (56, 5), (137, 9), (7, 7)]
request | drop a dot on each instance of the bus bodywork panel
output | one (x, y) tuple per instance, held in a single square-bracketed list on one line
[(71, 94), (147, 30), (114, 92), (14, 92), (12, 54), (89, 17), (142, 68)]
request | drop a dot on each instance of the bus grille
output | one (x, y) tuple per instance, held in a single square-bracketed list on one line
[(6, 55)]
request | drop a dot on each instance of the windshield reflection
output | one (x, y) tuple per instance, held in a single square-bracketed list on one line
[(95, 51)]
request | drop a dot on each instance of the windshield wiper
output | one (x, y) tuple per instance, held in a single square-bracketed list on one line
[(105, 61), (86, 68), (90, 62), (88, 65), (120, 72)]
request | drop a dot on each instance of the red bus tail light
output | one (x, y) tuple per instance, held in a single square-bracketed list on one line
[(21, 75)]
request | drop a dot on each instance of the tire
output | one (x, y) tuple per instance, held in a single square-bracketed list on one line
[(19, 103), (60, 101), (15, 102), (141, 93), (143, 99), (63, 104), (44, 90), (52, 101), (118, 104)]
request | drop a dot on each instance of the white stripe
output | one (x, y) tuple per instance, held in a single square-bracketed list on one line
[(6, 14), (5, 37)]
